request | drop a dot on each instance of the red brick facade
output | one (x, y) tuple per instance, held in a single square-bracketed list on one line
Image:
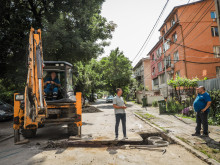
[(190, 34)]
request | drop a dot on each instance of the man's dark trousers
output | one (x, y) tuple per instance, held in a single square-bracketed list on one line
[(122, 117), (202, 118)]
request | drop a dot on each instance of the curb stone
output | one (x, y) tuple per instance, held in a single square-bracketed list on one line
[(189, 148)]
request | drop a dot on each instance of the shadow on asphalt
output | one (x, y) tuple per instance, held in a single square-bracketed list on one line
[(211, 143)]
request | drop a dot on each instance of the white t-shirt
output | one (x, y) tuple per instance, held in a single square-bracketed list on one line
[(119, 102)]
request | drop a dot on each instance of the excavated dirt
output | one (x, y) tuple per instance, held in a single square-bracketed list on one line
[(90, 109)]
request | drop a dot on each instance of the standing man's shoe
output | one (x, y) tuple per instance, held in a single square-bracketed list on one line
[(196, 134), (204, 135), (116, 139), (124, 138)]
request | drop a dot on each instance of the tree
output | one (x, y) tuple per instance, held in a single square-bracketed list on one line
[(116, 71), (183, 86), (71, 30), (88, 79)]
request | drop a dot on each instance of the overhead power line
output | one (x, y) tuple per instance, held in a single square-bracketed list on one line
[(155, 25), (198, 50), (194, 26)]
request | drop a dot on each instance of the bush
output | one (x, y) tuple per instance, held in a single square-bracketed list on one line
[(214, 120), (174, 106), (214, 115), (155, 103), (188, 111)]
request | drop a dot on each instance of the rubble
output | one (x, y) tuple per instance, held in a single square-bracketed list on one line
[(90, 109)]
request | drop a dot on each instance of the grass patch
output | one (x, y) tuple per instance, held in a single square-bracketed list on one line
[(204, 152), (210, 152), (164, 130), (186, 117), (148, 116), (215, 151), (183, 139)]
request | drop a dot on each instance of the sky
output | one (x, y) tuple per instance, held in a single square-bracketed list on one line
[(135, 19)]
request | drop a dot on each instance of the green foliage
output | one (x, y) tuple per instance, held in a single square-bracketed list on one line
[(88, 79), (72, 30), (116, 70), (155, 103), (107, 74), (141, 87), (181, 85), (174, 106), (215, 107), (183, 82)]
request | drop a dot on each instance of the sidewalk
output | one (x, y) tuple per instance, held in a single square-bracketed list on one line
[(183, 128)]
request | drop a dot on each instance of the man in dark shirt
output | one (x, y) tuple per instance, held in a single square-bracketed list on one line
[(201, 106), (51, 85)]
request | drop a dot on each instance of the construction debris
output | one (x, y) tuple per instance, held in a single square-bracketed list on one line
[(90, 109), (22, 142)]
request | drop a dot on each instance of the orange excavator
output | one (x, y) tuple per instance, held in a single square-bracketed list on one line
[(37, 107)]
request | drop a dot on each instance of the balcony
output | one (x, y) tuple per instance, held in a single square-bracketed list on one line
[(155, 88)]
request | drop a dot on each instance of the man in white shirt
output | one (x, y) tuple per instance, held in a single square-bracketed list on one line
[(119, 107)]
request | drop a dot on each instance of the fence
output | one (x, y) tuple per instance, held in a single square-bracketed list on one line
[(210, 84), (150, 98)]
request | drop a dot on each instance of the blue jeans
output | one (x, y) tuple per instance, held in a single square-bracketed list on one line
[(122, 117), (48, 89)]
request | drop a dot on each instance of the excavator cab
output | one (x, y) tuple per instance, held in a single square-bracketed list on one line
[(64, 73), (33, 108)]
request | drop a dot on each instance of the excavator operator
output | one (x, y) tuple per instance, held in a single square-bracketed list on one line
[(51, 85)]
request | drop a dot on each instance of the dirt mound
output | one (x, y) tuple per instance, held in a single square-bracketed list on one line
[(90, 109)]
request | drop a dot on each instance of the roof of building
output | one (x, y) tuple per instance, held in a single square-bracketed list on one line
[(140, 62), (170, 14), (58, 62), (175, 8)]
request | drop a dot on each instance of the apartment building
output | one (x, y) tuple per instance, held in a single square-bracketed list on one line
[(142, 72), (188, 45)]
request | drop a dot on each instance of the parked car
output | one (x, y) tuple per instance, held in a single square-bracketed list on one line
[(6, 111), (109, 99)]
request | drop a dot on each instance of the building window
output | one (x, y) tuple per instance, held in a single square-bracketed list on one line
[(176, 56), (218, 71), (159, 52), (216, 50), (172, 22), (167, 62), (166, 46), (214, 31), (162, 78), (163, 32), (153, 58), (159, 66), (178, 73), (155, 81), (213, 15), (174, 37), (153, 73)]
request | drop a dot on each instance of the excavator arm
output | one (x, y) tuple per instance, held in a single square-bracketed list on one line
[(31, 109)]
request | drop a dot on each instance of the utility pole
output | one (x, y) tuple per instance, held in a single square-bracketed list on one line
[(144, 93), (165, 63), (217, 6)]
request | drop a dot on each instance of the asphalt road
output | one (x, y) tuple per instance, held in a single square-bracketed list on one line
[(97, 126)]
